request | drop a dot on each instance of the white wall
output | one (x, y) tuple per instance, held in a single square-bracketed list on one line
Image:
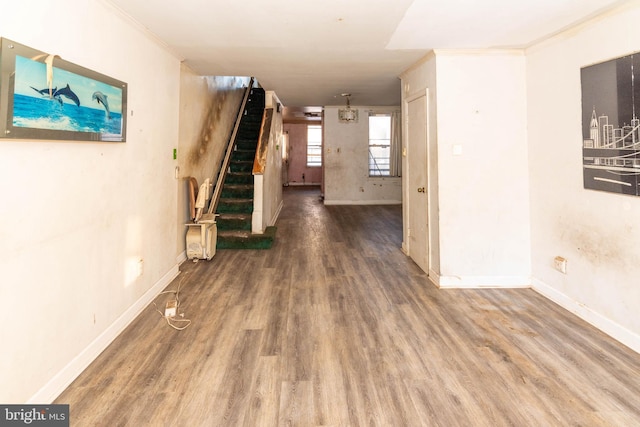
[(597, 232), (478, 177), (483, 190), (346, 162), (267, 198), (273, 171), (77, 217), (417, 80)]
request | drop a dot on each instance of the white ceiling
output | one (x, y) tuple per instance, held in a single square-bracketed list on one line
[(309, 52)]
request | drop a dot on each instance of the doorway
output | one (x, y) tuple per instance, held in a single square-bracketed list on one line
[(417, 191)]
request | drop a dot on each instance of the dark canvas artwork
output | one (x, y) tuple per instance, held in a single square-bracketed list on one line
[(610, 126)]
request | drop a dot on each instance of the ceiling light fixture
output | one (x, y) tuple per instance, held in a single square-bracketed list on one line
[(347, 115)]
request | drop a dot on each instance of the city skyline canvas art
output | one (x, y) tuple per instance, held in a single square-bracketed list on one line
[(610, 126)]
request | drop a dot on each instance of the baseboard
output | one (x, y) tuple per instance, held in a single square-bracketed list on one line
[(606, 325), (70, 372), (277, 214), (302, 184), (362, 202), (484, 282), (434, 277), (181, 258)]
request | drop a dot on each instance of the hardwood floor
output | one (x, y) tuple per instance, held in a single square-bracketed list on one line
[(335, 326)]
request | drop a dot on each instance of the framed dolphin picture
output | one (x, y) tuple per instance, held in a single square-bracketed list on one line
[(45, 97)]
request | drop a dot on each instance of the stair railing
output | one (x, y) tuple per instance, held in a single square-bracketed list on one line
[(260, 159), (217, 191)]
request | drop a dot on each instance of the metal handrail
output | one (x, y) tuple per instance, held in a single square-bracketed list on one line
[(217, 191)]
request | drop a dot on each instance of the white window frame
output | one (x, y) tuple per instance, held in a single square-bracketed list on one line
[(379, 166), (314, 148)]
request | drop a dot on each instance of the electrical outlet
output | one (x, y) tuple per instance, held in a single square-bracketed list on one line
[(171, 309), (560, 264)]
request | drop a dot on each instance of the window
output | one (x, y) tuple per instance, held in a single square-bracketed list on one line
[(314, 145), (379, 144)]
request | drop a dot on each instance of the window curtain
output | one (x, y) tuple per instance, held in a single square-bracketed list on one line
[(395, 145)]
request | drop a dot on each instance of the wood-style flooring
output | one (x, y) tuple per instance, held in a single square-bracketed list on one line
[(335, 326)]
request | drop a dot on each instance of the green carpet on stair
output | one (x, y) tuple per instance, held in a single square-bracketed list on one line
[(235, 206), (239, 239)]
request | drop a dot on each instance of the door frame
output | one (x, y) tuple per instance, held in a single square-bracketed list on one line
[(406, 245)]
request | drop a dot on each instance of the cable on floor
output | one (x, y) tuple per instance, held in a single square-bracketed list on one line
[(175, 321)]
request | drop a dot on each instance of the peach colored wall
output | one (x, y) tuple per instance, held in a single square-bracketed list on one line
[(298, 157)]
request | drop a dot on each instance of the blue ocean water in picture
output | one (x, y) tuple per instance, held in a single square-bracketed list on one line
[(45, 113)]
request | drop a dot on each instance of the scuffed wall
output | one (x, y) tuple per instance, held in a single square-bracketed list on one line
[(596, 232), (346, 162), (88, 229), (208, 110)]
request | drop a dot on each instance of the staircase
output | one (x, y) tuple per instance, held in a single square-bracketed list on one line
[(236, 200)]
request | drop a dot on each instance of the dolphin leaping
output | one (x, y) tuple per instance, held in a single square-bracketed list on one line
[(45, 92), (101, 98), (68, 93), (57, 94)]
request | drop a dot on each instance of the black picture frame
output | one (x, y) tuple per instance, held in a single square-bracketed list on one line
[(610, 126), (44, 97)]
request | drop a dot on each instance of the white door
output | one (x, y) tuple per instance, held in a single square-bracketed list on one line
[(417, 196)]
